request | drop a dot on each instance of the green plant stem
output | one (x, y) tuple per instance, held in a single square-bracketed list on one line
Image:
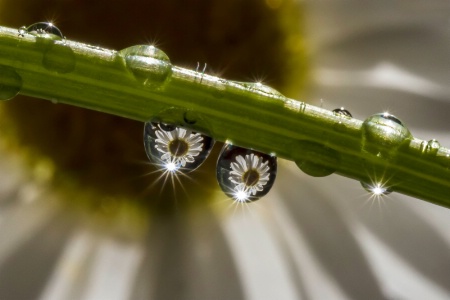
[(135, 84)]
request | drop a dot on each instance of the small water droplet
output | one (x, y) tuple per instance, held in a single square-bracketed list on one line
[(167, 127), (383, 134), (44, 30), (245, 175), (59, 58), (10, 83), (318, 160), (342, 112), (22, 31), (376, 189), (431, 147), (190, 117), (186, 118), (174, 148), (295, 105), (260, 88), (149, 65)]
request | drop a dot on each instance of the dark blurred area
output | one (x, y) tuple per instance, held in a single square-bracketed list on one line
[(240, 40)]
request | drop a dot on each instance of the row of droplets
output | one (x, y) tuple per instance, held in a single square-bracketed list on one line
[(244, 175)]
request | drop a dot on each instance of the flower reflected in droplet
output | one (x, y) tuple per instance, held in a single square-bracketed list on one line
[(179, 146), (250, 174)]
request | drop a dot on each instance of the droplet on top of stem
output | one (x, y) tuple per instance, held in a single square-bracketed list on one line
[(42, 29), (383, 134), (431, 147), (342, 112), (149, 65)]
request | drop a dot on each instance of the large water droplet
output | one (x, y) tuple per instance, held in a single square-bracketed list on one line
[(149, 65), (431, 147), (317, 160), (245, 175), (59, 58), (376, 189), (44, 30), (383, 134), (10, 83), (174, 148)]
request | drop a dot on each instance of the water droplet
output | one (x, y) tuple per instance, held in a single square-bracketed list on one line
[(10, 83), (383, 134), (149, 65), (376, 189), (260, 88), (431, 147), (174, 148), (342, 112), (43, 29), (295, 105), (59, 58), (317, 160), (245, 175)]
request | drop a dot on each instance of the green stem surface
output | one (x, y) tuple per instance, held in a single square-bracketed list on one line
[(140, 83)]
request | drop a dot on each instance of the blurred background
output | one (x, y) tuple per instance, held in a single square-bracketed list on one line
[(80, 218)]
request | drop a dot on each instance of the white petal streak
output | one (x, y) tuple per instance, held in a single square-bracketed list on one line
[(318, 284), (114, 270), (68, 277), (384, 75), (399, 280), (22, 222), (264, 272)]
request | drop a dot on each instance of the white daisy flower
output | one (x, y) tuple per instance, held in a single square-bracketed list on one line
[(179, 146), (250, 174)]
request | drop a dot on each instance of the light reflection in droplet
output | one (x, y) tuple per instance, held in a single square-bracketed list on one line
[(377, 188), (171, 167), (241, 196)]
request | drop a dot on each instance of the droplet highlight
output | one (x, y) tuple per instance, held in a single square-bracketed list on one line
[(317, 159), (43, 30), (174, 148), (150, 65), (376, 189), (10, 83), (245, 175), (383, 134)]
